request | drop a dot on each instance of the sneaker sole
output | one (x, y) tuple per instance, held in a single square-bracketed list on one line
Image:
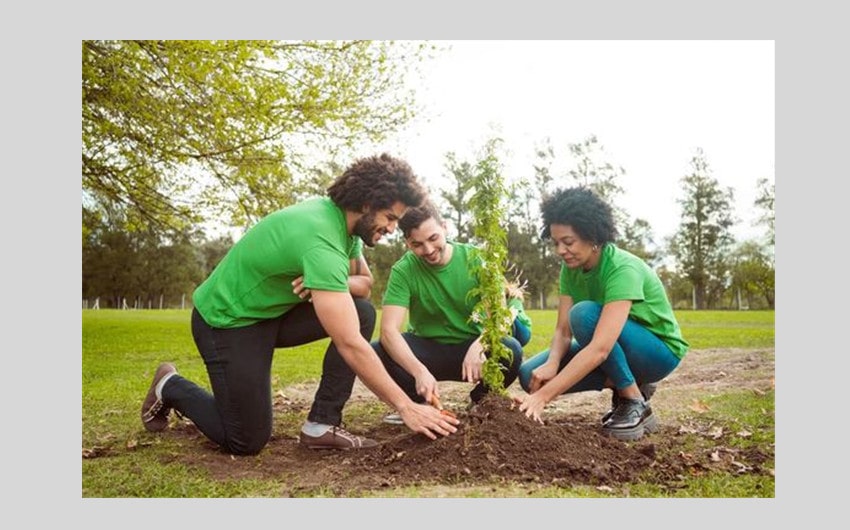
[(649, 425)]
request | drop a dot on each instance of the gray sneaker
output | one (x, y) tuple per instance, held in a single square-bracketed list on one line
[(646, 389), (631, 420)]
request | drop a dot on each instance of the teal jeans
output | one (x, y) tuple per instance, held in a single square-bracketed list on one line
[(638, 356)]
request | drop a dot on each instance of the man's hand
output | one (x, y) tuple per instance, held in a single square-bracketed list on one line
[(426, 385), (299, 289), (471, 369), (428, 420)]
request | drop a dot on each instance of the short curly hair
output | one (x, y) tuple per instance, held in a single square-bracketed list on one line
[(418, 215), (376, 182), (583, 210)]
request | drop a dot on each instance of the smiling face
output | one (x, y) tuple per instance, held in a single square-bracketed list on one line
[(573, 250), (428, 243), (372, 226)]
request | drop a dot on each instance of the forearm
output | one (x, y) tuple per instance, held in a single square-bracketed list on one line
[(582, 364), (365, 363), (560, 345), (360, 286), (397, 348)]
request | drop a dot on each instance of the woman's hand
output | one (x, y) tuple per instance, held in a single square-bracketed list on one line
[(542, 375), (532, 405)]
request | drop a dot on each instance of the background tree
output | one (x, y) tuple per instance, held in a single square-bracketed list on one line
[(765, 204), (457, 196), (213, 250), (594, 170), (704, 236), (175, 132), (678, 287), (753, 276), (381, 259), (531, 255)]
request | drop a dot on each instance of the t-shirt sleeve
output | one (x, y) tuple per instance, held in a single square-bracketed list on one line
[(624, 283), (325, 269), (398, 288), (356, 249), (563, 283)]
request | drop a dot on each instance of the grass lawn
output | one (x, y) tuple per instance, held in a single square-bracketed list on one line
[(120, 350)]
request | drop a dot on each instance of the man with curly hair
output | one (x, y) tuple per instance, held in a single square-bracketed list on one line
[(295, 277), (615, 328)]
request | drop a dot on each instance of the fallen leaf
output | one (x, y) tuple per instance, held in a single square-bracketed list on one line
[(716, 432), (699, 406)]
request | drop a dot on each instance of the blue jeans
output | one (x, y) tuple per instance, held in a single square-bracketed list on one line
[(520, 332), (445, 362), (638, 356), (237, 415)]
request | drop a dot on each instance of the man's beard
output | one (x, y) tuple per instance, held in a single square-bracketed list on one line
[(365, 228)]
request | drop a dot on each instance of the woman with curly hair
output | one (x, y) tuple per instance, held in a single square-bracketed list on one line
[(295, 277), (615, 328)]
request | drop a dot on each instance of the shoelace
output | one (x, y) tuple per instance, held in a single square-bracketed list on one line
[(152, 412), (355, 441)]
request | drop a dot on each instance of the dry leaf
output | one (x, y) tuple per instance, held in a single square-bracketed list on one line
[(699, 406)]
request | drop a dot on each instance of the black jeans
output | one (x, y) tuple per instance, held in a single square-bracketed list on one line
[(445, 362), (237, 415)]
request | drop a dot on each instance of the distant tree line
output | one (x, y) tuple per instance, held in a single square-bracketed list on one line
[(183, 134), (702, 265)]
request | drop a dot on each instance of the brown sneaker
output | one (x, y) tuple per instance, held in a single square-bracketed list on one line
[(336, 438), (154, 411)]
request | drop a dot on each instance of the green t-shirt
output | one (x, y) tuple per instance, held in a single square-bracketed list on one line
[(620, 275), (253, 281), (436, 297), (517, 305)]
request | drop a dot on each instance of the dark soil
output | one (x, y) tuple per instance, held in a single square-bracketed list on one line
[(497, 445)]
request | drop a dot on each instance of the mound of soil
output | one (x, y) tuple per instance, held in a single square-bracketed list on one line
[(497, 444)]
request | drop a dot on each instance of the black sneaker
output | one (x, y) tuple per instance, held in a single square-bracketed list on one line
[(646, 389), (631, 420)]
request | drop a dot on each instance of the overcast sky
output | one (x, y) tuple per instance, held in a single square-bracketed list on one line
[(649, 103)]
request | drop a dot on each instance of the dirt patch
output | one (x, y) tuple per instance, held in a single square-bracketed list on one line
[(496, 444)]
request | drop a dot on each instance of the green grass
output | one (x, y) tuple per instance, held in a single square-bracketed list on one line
[(120, 350), (702, 329)]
